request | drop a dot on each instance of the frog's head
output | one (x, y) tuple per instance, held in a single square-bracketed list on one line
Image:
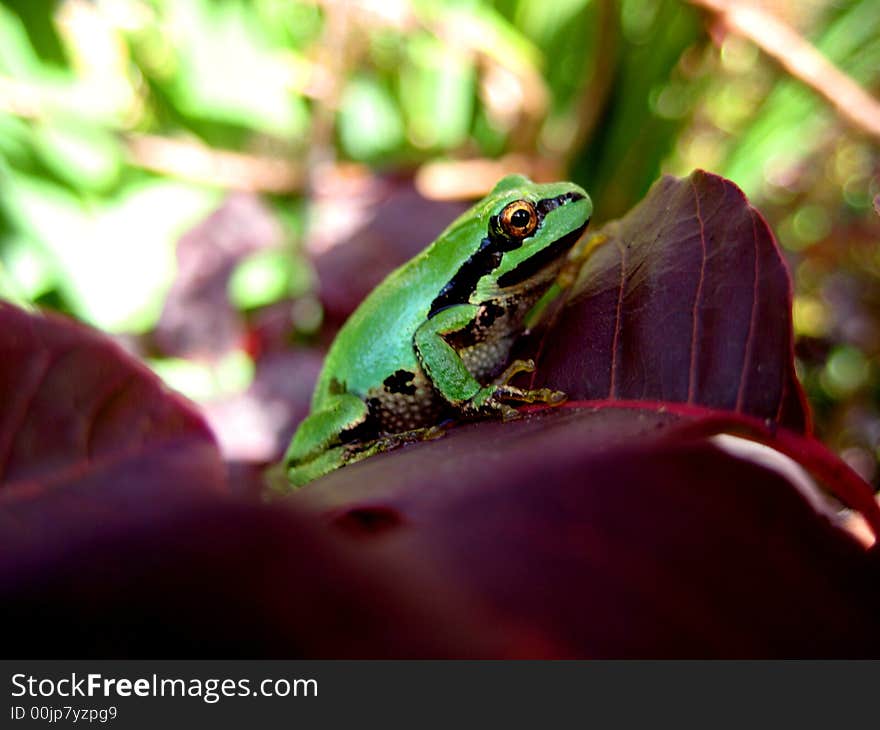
[(535, 226)]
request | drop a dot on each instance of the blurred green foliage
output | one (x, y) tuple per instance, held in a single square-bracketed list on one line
[(123, 123)]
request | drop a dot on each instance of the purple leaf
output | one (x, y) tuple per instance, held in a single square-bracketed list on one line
[(76, 406), (689, 301), (116, 538), (619, 525), (220, 578), (613, 533)]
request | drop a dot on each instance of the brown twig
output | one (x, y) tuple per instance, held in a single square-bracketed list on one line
[(474, 177), (190, 160), (185, 159), (801, 59)]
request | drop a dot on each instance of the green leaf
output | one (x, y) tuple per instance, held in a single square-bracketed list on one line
[(203, 382), (228, 69), (369, 121), (88, 157), (27, 269), (437, 87), (793, 118), (624, 155), (17, 57), (261, 279), (568, 35), (36, 18), (115, 260), (15, 140), (498, 38)]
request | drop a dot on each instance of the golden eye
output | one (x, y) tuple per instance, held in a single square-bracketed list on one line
[(519, 219)]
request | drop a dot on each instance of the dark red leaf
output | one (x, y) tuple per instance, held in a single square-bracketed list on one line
[(215, 578), (116, 540), (689, 301), (621, 527), (76, 406), (626, 528), (613, 533)]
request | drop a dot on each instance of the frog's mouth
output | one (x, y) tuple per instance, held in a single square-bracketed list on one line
[(542, 259)]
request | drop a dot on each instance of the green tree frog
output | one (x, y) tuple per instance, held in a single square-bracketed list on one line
[(431, 342)]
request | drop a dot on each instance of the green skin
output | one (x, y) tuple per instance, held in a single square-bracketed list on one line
[(431, 341)]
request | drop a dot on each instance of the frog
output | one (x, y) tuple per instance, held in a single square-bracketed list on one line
[(431, 343)]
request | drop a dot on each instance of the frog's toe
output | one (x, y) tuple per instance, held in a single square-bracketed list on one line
[(433, 433), (307, 471), (508, 413), (516, 367), (542, 395), (554, 397)]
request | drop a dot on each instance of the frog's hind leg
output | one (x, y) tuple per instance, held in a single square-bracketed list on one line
[(503, 390), (323, 428), (317, 447), (301, 474), (353, 452), (324, 440), (357, 451)]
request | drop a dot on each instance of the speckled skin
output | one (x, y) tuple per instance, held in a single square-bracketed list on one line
[(484, 347), (427, 343)]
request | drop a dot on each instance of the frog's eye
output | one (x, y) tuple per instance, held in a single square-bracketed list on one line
[(519, 219)]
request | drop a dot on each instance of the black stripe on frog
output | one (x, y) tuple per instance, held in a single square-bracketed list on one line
[(488, 257)]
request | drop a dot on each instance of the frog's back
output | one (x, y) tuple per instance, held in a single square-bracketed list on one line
[(377, 340)]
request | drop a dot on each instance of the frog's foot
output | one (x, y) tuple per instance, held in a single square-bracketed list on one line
[(494, 399), (515, 368), (393, 440), (541, 395), (505, 391)]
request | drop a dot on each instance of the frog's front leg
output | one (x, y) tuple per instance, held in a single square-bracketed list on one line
[(450, 376), (317, 448)]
